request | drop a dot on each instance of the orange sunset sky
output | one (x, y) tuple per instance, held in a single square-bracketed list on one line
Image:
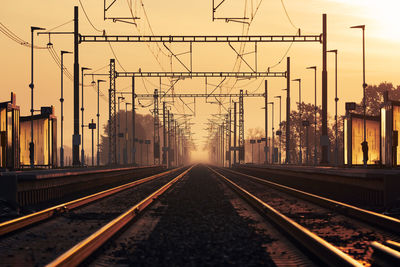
[(190, 17)]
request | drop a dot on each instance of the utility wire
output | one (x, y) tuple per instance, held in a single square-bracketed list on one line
[(87, 17), (59, 26), (287, 15), (7, 32)]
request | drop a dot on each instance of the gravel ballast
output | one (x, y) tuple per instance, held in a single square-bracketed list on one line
[(197, 225)]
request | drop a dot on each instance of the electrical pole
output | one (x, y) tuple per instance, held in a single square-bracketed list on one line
[(119, 131), (62, 108), (156, 142), (273, 134), (315, 113), (324, 137), (164, 155), (98, 120), (76, 139), (32, 86), (288, 112), (230, 138), (336, 118), (280, 126), (83, 123), (126, 134), (133, 121), (234, 132), (300, 123), (266, 121)]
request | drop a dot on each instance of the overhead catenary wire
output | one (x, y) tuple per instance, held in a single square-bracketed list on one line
[(88, 19), (287, 15)]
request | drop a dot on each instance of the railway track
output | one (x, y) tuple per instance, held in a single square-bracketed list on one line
[(38, 238), (202, 222), (339, 234)]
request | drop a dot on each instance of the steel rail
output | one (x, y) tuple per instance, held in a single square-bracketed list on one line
[(323, 250), (385, 255), (18, 223), (85, 248), (380, 220)]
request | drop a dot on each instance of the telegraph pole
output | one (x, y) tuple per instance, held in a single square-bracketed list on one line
[(76, 140)]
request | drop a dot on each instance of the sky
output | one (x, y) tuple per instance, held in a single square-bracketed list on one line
[(195, 18)]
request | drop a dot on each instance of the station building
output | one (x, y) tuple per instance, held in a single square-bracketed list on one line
[(9, 134), (44, 138)]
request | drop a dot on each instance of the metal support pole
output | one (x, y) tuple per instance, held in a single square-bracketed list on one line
[(230, 138), (241, 128), (365, 157), (288, 112), (156, 142), (62, 111), (83, 122), (324, 137), (280, 127), (336, 116), (169, 140), (119, 130), (273, 135), (98, 121), (92, 146), (336, 121), (62, 108), (252, 153), (133, 121), (126, 134), (308, 147), (315, 113), (234, 132), (76, 137), (266, 121), (164, 154), (300, 123), (31, 85)]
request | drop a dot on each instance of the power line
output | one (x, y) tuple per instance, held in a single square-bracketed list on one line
[(7, 32), (59, 26), (87, 17), (287, 15)]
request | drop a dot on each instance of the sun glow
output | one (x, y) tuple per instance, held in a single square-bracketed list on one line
[(381, 18)]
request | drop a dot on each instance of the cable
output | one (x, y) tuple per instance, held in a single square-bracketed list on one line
[(116, 58), (65, 23), (7, 32), (287, 15), (87, 17)]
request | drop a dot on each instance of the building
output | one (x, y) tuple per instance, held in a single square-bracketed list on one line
[(354, 136), (390, 125), (44, 138), (9, 134)]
